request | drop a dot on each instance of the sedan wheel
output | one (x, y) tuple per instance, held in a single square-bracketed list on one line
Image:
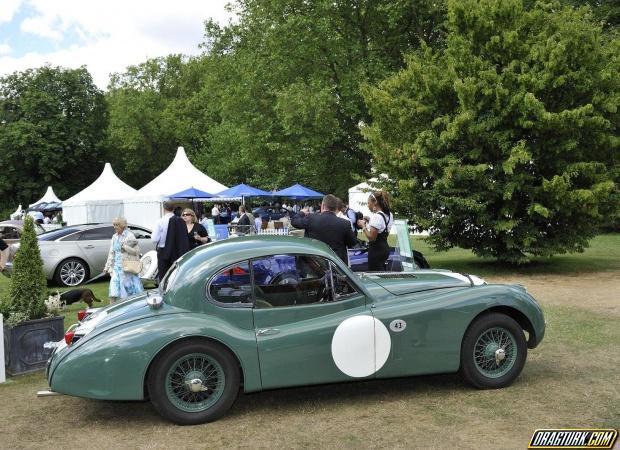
[(193, 382), (71, 272), (493, 352)]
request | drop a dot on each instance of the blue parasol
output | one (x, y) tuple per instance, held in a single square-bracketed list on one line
[(191, 193), (298, 192)]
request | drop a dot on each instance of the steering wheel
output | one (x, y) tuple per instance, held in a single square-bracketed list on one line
[(284, 278)]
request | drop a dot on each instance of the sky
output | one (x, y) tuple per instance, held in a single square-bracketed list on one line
[(105, 36)]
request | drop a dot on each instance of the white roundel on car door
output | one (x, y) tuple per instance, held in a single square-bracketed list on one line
[(360, 346)]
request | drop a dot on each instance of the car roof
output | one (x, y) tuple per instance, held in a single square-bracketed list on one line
[(231, 250)]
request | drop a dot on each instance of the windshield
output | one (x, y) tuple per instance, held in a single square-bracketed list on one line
[(56, 234)]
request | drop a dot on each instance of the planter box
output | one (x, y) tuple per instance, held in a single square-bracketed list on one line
[(23, 344)]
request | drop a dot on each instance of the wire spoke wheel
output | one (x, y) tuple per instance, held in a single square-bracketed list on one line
[(495, 352), (195, 382)]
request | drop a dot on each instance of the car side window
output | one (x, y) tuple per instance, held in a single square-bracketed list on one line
[(275, 281), (97, 234), (140, 233), (289, 280), (232, 285), (9, 233)]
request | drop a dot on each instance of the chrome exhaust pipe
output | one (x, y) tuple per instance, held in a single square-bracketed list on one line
[(48, 393)]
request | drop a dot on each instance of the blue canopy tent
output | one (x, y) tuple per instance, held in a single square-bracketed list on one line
[(243, 190), (298, 192), (191, 194)]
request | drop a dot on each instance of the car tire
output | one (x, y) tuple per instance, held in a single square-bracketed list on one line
[(71, 272), (149, 265), (493, 351), (216, 375)]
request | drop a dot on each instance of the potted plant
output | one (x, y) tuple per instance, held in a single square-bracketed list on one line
[(29, 324)]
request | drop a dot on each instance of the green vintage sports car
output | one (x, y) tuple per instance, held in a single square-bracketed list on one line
[(264, 312)]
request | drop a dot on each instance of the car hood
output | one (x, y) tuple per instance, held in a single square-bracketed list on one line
[(400, 283)]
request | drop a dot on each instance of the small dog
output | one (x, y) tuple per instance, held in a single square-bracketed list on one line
[(76, 295)]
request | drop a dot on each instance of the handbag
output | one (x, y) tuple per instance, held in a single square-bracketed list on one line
[(132, 266)]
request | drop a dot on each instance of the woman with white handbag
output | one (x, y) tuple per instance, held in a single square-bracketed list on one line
[(123, 262)]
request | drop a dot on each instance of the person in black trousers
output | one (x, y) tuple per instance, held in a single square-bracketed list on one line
[(170, 236), (376, 229), (328, 228)]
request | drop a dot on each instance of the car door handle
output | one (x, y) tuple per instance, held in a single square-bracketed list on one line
[(89, 246), (267, 331)]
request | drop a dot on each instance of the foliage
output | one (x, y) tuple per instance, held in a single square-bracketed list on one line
[(505, 141), (145, 107), (606, 12), (275, 97), (52, 124), (28, 283)]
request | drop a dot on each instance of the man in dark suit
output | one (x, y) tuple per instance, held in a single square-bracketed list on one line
[(327, 227), (177, 243), (170, 237)]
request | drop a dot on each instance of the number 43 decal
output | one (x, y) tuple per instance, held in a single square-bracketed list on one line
[(398, 325)]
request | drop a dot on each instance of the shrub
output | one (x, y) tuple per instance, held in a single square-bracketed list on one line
[(28, 284)]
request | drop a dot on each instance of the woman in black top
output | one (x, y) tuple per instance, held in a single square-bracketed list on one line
[(376, 229), (196, 233)]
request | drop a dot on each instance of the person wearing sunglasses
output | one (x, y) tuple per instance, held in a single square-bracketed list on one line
[(196, 233)]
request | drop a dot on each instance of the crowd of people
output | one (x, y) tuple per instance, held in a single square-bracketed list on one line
[(179, 231), (336, 224)]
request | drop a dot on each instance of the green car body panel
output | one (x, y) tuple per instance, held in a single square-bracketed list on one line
[(112, 360)]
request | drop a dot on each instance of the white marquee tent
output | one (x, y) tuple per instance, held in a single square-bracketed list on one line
[(49, 197), (358, 197), (144, 207), (102, 201), (18, 213)]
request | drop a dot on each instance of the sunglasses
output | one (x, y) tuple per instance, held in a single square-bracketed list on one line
[(187, 214)]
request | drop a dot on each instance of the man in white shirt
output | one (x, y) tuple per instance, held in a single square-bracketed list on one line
[(215, 213), (159, 237)]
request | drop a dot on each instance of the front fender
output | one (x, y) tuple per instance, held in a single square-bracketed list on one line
[(113, 364)]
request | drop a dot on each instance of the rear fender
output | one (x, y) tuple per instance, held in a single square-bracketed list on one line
[(113, 365)]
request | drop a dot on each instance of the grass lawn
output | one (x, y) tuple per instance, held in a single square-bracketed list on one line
[(603, 255), (570, 380)]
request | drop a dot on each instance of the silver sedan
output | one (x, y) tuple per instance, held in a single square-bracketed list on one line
[(74, 254)]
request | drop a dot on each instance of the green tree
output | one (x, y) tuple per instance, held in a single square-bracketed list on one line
[(52, 125), (506, 140), (147, 123), (282, 94), (606, 12), (27, 287)]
